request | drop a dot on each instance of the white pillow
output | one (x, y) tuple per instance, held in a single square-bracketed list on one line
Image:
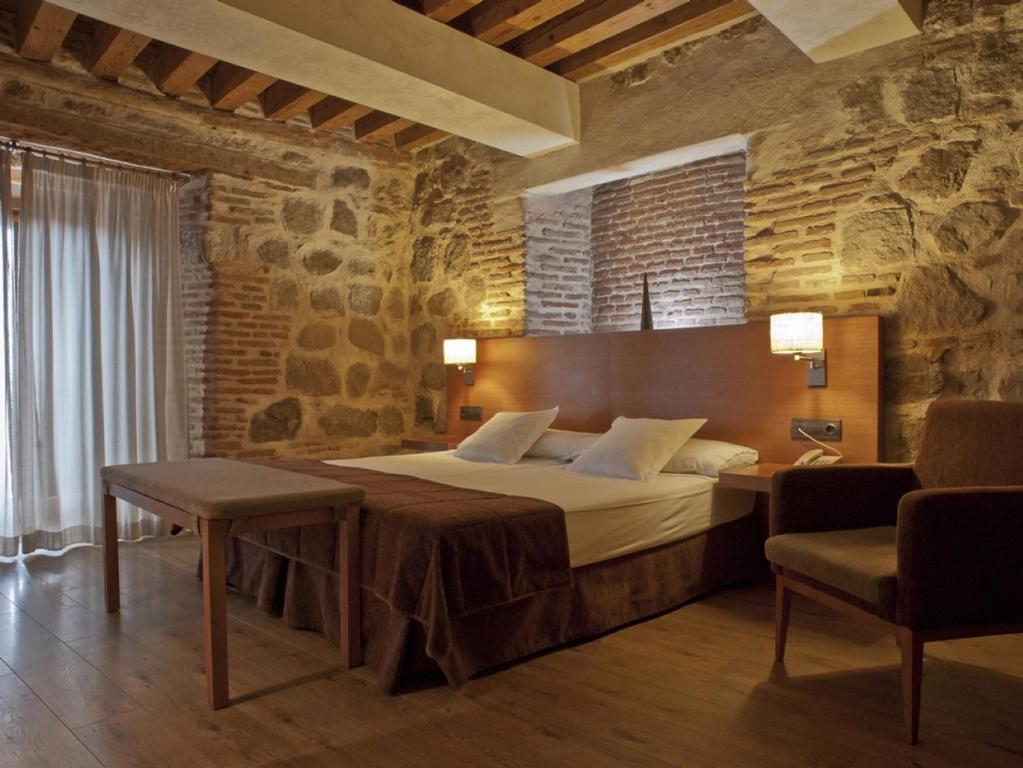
[(708, 457), (635, 448), (561, 444), (506, 436)]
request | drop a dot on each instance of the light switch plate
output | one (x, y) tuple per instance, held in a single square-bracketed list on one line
[(470, 413), (825, 430)]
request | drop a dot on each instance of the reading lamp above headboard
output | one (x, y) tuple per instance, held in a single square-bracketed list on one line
[(725, 373)]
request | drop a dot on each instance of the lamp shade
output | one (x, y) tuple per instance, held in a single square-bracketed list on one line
[(459, 351), (797, 333)]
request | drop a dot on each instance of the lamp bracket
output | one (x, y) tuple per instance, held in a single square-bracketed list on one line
[(817, 368)]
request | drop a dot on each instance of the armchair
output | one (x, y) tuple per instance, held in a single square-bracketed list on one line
[(928, 551)]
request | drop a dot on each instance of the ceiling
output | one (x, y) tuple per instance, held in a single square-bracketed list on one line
[(574, 39)]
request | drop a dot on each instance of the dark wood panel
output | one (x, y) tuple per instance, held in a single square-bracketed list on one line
[(726, 374)]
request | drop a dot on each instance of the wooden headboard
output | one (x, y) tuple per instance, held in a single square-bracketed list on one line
[(724, 373)]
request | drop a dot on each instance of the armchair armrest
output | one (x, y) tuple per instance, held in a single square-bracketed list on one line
[(838, 497), (960, 557)]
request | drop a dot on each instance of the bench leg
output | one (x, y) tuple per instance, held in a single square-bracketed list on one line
[(350, 588), (214, 599), (111, 574)]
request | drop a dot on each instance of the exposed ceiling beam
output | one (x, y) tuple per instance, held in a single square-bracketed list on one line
[(282, 101), (333, 113), (425, 71), (417, 136), (40, 29), (848, 26), (377, 126), (694, 19), (446, 10), (232, 86), (499, 21), (586, 26), (176, 70), (113, 49)]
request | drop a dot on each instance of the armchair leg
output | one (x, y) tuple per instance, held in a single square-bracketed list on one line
[(912, 646), (782, 609)]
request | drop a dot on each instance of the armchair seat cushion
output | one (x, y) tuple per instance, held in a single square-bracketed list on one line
[(860, 562)]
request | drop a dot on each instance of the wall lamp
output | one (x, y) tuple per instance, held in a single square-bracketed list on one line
[(801, 334), (461, 352)]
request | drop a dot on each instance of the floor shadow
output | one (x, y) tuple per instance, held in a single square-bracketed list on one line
[(285, 685)]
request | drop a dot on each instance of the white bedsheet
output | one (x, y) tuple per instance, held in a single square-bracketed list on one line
[(606, 517)]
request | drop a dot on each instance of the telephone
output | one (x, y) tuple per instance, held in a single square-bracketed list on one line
[(817, 458)]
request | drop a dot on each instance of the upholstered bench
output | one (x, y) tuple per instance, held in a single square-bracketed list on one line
[(218, 497)]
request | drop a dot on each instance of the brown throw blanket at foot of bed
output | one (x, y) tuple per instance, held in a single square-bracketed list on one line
[(433, 553)]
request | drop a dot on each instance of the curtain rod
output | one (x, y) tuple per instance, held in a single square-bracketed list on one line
[(85, 158)]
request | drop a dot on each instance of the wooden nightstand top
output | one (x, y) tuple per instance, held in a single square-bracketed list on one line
[(430, 442), (753, 478)]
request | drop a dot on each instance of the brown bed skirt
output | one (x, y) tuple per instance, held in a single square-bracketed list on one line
[(602, 597)]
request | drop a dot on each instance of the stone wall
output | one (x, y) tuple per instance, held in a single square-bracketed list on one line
[(559, 264), (886, 182), (683, 228), (307, 349)]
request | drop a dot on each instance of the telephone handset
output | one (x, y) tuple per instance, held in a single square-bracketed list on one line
[(817, 458)]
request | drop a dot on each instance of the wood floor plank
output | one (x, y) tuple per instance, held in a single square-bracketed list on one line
[(31, 735), (694, 687), (75, 691)]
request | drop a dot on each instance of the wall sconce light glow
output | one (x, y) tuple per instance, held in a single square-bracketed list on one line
[(801, 334), (461, 352), (797, 333)]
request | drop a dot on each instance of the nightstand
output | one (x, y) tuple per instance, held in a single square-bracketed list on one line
[(427, 443), (757, 478), (753, 478)]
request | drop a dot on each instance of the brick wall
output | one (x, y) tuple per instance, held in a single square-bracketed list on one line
[(197, 295), (683, 227), (559, 266)]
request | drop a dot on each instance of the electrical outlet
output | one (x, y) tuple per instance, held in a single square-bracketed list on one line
[(470, 413), (825, 430)]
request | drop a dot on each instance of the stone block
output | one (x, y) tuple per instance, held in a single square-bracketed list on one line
[(278, 421), (312, 375)]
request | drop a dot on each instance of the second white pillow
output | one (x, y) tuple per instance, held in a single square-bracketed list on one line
[(636, 449)]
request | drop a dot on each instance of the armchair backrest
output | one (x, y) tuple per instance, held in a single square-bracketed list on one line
[(971, 442)]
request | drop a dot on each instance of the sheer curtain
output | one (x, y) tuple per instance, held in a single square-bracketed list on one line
[(10, 523), (98, 344)]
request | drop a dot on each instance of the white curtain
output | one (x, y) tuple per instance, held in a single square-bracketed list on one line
[(9, 520), (98, 344)]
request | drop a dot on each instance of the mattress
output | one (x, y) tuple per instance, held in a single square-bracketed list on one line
[(605, 517)]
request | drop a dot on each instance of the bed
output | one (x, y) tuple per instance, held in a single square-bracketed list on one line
[(634, 549), (564, 557)]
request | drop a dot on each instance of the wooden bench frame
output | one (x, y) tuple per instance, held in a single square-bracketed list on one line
[(214, 535)]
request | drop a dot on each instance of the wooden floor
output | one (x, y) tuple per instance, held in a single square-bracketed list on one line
[(695, 687)]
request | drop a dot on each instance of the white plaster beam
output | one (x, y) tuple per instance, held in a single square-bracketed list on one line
[(371, 52), (836, 28)]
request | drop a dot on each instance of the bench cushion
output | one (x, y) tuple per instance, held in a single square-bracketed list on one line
[(860, 562), (222, 489)]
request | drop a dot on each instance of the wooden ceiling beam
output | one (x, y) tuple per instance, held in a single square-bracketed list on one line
[(333, 113), (694, 19), (176, 70), (232, 86), (283, 100), (113, 49), (40, 28), (500, 21), (377, 126), (588, 25), (446, 10), (417, 136)]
